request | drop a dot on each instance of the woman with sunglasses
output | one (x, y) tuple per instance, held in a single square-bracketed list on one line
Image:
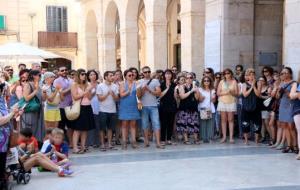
[(251, 111), (268, 73), (227, 92), (34, 119), (81, 91), (286, 111), (128, 109), (188, 117), (206, 106), (168, 107), (295, 96)]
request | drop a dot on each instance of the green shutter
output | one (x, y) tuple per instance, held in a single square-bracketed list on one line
[(2, 22)]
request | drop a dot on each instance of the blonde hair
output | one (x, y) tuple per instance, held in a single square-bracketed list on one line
[(57, 131), (249, 71)]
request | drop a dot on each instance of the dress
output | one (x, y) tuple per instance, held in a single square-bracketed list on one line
[(286, 106), (85, 121), (227, 103), (35, 120), (128, 105)]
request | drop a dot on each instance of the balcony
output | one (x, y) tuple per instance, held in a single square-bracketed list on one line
[(57, 40)]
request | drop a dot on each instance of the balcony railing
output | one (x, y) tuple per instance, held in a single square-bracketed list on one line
[(57, 40)]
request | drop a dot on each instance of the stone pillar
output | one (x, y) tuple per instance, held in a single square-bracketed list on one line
[(192, 35), (129, 48), (157, 52), (109, 52), (291, 48), (92, 51)]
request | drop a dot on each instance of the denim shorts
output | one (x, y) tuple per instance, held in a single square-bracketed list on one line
[(107, 121), (150, 113)]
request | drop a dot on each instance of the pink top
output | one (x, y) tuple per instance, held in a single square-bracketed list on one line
[(85, 101)]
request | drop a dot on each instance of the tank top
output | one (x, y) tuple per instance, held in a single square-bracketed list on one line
[(189, 103), (227, 99), (296, 105), (85, 100)]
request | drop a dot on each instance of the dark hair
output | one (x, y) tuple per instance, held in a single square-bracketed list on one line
[(127, 71), (119, 71), (26, 132), (228, 70), (146, 67), (289, 69), (21, 64), (77, 78), (106, 73), (92, 71), (23, 71), (211, 85), (168, 71), (49, 131), (33, 73), (242, 78), (269, 69), (137, 72), (195, 76), (210, 70), (239, 66)]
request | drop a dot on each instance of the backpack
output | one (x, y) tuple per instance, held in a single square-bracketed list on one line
[(249, 102)]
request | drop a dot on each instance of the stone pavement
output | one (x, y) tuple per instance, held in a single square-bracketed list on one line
[(182, 167)]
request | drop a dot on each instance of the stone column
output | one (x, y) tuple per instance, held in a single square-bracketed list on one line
[(109, 52), (192, 35), (129, 48), (157, 52), (92, 51), (291, 48)]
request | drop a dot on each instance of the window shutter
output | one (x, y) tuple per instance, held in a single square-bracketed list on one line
[(57, 19)]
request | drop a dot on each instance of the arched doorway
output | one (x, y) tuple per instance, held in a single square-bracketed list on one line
[(112, 43), (142, 36), (91, 41), (174, 33)]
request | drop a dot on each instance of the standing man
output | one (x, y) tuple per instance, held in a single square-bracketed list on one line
[(108, 95), (148, 91), (239, 69), (10, 72), (65, 83)]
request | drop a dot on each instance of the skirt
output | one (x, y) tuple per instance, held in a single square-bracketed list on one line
[(52, 115), (222, 107), (265, 114), (85, 121), (187, 122)]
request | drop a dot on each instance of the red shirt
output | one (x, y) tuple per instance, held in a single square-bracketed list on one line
[(31, 140)]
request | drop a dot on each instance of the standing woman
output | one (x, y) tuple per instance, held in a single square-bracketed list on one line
[(168, 107), (188, 117), (34, 119), (251, 112), (52, 96), (206, 106), (286, 110), (227, 92), (128, 109), (81, 91), (295, 96), (92, 138)]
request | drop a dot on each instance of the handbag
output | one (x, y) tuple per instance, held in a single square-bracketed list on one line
[(139, 104), (73, 111), (206, 113), (33, 105)]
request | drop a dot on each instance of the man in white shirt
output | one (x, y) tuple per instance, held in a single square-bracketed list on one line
[(108, 94)]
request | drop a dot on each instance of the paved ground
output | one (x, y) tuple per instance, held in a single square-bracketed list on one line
[(192, 167)]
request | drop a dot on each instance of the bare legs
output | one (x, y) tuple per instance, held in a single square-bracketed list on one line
[(109, 138), (51, 124), (82, 135), (125, 129), (297, 122), (227, 117)]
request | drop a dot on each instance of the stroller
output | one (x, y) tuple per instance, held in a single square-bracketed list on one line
[(15, 169)]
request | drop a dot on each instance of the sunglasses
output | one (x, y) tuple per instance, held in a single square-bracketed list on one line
[(83, 74), (147, 72), (265, 71), (9, 70), (63, 70), (189, 77), (129, 75)]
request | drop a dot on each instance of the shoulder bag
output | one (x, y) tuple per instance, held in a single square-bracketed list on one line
[(206, 113)]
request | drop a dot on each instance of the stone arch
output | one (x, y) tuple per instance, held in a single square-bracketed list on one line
[(109, 35), (91, 30)]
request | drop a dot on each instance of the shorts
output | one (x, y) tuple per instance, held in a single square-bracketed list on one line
[(265, 114), (150, 113), (222, 107), (52, 115), (108, 121)]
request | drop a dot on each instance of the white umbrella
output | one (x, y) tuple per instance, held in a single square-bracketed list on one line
[(17, 50)]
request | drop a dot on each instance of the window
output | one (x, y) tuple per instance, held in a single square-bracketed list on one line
[(57, 19)]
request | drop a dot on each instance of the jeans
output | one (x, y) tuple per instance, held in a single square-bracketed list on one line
[(152, 113)]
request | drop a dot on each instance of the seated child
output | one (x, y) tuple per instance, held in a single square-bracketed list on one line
[(30, 158), (47, 140), (58, 150)]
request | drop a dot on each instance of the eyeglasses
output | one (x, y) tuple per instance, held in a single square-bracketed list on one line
[(83, 74), (63, 70), (146, 72)]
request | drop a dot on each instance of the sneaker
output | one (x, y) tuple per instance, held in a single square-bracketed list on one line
[(65, 172), (66, 165)]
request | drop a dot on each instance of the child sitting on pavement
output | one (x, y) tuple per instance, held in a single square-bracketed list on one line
[(30, 158)]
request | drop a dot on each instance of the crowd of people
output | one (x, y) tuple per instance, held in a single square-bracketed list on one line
[(131, 107)]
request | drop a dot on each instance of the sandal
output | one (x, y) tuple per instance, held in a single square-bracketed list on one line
[(197, 142), (287, 150), (160, 147), (102, 148), (186, 142), (147, 145), (77, 152), (134, 146), (296, 150)]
